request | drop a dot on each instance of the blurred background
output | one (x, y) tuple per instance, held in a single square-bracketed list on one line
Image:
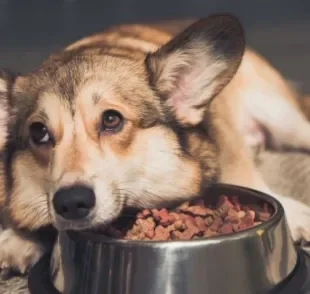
[(31, 29)]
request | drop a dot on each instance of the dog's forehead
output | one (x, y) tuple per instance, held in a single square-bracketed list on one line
[(93, 81), (116, 80), (64, 76)]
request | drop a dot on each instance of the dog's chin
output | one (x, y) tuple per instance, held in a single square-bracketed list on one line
[(62, 225), (90, 224)]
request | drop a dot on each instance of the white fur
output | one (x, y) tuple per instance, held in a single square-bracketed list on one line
[(297, 215), (17, 252), (287, 126)]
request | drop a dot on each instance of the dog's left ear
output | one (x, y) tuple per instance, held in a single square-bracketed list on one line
[(7, 80), (196, 65)]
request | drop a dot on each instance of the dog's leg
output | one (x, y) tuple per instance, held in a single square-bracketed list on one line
[(268, 106), (293, 132), (239, 169), (20, 251), (297, 215), (286, 125)]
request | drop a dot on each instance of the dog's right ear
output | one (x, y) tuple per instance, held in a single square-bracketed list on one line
[(194, 67)]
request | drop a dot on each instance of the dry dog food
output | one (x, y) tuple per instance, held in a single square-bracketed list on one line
[(190, 221)]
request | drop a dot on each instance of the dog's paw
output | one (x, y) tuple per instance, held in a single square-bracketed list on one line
[(18, 253), (298, 218)]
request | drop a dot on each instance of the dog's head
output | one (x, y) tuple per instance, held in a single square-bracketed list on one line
[(92, 131)]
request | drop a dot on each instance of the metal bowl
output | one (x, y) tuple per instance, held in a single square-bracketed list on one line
[(248, 262)]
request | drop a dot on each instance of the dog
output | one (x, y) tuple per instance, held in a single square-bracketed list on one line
[(137, 116)]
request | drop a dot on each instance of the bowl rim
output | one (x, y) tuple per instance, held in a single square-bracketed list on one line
[(81, 236)]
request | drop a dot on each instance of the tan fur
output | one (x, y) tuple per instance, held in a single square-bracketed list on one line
[(26, 251), (305, 106), (4, 118), (257, 80), (25, 168), (187, 108), (148, 39)]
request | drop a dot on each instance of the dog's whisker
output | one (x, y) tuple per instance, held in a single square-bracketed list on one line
[(39, 200), (37, 217), (138, 201)]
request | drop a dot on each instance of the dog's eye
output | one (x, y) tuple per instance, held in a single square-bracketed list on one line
[(39, 133), (112, 120)]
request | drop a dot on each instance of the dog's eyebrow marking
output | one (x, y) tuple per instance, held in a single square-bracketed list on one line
[(42, 114), (96, 98)]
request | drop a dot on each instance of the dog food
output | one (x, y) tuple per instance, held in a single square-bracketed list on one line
[(190, 221)]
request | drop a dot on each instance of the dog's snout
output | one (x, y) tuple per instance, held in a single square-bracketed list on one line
[(74, 202)]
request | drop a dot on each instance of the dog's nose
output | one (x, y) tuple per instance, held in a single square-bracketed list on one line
[(74, 202)]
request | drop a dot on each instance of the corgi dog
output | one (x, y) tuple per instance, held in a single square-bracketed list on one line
[(137, 116)]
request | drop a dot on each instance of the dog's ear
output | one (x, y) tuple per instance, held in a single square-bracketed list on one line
[(6, 85), (7, 80), (196, 65)]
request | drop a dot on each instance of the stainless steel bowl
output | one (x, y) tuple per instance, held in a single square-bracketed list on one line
[(249, 262)]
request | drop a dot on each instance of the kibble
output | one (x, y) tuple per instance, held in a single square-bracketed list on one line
[(191, 220)]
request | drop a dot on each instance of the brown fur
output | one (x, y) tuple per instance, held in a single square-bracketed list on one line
[(305, 106), (186, 107)]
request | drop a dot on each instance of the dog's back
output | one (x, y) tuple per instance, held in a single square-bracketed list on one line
[(140, 37)]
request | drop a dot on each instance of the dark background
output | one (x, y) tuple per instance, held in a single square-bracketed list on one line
[(31, 29)]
